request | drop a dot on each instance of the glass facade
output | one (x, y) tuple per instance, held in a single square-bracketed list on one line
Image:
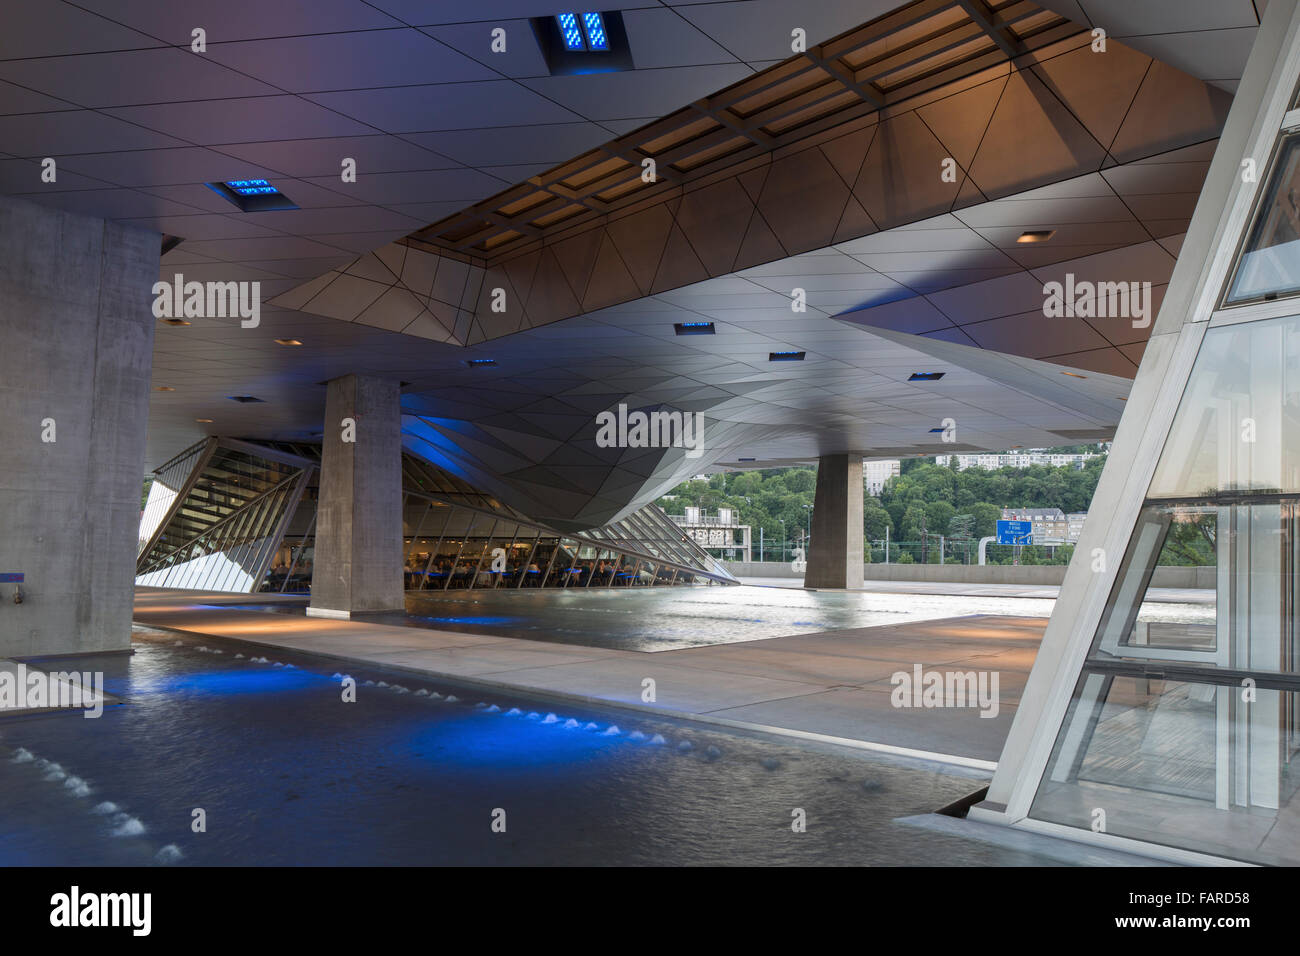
[(168, 481), (245, 523), (1269, 265), (221, 532), (1187, 734)]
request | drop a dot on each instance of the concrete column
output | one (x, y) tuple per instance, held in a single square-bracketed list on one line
[(75, 359), (358, 560), (835, 553)]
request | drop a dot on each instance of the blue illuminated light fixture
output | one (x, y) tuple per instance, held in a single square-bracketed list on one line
[(252, 187), (785, 356), (252, 195), (585, 35), (594, 27), (569, 30), (694, 328)]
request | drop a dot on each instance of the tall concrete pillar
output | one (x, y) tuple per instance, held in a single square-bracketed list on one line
[(75, 359), (358, 561), (835, 553)]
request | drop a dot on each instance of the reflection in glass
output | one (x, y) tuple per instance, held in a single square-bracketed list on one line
[(1270, 260), (1185, 733)]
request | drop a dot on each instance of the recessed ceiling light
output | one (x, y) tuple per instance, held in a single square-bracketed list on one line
[(204, 421), (252, 195), (935, 431), (244, 399), (1074, 375), (287, 342), (163, 388), (1036, 235), (585, 34), (480, 363), (694, 328), (746, 459), (583, 42), (925, 376), (594, 26), (176, 322), (786, 356)]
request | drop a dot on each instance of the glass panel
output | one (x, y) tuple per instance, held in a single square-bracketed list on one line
[(565, 569), (523, 553), (540, 571), (472, 568), (625, 571), (299, 580), (1167, 535), (414, 512), (1184, 763), (426, 552), (1238, 424), (498, 565), (167, 482), (443, 569), (596, 566), (1183, 732), (1269, 265)]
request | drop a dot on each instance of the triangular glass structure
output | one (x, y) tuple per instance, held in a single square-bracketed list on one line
[(1188, 732), (1182, 740), (231, 515)]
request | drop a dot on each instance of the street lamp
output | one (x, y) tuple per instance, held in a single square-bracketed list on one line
[(809, 510), (783, 538)]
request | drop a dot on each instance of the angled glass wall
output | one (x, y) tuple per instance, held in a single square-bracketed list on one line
[(458, 538), (168, 482), (1187, 734), (226, 517), (243, 517)]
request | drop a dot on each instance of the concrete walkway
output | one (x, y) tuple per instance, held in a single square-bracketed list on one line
[(833, 685), (1048, 591)]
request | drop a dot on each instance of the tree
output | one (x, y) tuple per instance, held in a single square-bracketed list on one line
[(875, 519), (800, 480), (960, 526), (937, 516), (986, 519)]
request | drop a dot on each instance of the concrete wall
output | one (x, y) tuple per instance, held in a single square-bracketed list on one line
[(1170, 577), (75, 296)]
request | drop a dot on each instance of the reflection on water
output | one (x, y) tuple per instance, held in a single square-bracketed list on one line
[(668, 619), (286, 773)]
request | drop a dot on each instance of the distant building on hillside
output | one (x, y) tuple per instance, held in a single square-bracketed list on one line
[(1023, 459), (722, 535), (876, 473)]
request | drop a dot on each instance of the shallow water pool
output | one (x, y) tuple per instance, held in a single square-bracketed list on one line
[(287, 773)]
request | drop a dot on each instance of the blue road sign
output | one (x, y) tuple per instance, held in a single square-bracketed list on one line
[(1015, 532)]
